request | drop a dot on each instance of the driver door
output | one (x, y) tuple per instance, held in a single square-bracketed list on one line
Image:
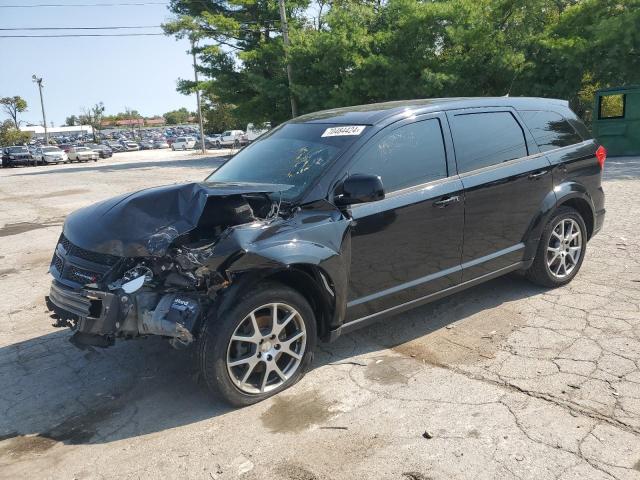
[(408, 245)]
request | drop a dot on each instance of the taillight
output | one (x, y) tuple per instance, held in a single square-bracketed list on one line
[(601, 155)]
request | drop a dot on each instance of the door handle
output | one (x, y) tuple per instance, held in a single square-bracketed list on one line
[(446, 201), (533, 176)]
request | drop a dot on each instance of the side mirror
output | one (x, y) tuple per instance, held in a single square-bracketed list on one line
[(359, 189)]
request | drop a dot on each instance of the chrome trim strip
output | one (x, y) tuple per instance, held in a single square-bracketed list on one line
[(454, 288), (435, 276)]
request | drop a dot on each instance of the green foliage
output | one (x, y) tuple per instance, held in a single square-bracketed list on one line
[(10, 135), (177, 117), (12, 106), (363, 51)]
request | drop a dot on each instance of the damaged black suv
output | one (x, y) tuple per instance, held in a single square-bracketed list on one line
[(328, 222)]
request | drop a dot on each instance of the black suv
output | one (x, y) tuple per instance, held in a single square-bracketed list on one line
[(329, 222), (16, 155)]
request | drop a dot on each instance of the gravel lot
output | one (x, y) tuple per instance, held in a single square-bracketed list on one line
[(505, 380)]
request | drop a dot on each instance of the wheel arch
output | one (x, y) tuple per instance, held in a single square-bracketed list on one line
[(576, 196), (307, 279)]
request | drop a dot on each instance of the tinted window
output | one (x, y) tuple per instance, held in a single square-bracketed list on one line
[(483, 139), (404, 157), (550, 130), (612, 106)]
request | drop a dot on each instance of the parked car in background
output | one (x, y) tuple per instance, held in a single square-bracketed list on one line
[(82, 154), (65, 147), (16, 155), (146, 145), (160, 144), (102, 150), (184, 143), (130, 146), (231, 138), (50, 154), (254, 131), (114, 146)]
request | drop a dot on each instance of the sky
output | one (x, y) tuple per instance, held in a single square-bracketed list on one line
[(135, 72)]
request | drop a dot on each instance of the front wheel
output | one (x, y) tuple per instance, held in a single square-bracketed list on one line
[(561, 249), (259, 346)]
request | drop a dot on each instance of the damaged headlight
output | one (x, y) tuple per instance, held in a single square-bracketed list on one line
[(160, 241), (133, 279)]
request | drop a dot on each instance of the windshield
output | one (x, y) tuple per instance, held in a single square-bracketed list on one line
[(295, 154), (81, 149), (18, 150), (50, 149)]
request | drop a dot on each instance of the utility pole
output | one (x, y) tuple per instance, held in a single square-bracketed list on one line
[(285, 39), (195, 74), (38, 80)]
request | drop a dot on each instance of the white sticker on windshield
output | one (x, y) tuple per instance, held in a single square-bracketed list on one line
[(342, 131)]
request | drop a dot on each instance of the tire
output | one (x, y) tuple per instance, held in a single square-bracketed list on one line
[(236, 144), (549, 274), (216, 347), (218, 145)]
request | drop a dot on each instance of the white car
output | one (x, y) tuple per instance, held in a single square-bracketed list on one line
[(82, 154), (231, 138), (183, 143), (44, 155), (254, 131)]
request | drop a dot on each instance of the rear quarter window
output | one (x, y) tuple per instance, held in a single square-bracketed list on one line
[(486, 138), (549, 129)]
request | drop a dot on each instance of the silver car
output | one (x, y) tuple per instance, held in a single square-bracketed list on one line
[(82, 154), (44, 155)]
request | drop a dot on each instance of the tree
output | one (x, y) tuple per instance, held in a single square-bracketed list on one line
[(177, 117), (10, 135), (348, 52), (71, 121), (12, 106), (218, 116), (93, 116)]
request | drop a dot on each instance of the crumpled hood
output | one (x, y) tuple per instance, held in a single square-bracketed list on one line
[(144, 223)]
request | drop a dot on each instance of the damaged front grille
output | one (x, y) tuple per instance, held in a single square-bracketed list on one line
[(74, 265), (101, 258)]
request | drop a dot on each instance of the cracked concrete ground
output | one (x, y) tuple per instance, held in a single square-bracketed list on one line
[(506, 380)]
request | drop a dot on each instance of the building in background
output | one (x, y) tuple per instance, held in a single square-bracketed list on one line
[(37, 131)]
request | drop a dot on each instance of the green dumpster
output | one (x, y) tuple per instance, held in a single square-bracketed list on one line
[(616, 119)]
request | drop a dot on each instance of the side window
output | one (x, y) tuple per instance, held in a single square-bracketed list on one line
[(612, 106), (549, 129), (405, 157), (489, 138)]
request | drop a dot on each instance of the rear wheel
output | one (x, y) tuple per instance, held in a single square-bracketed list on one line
[(259, 346), (561, 249)]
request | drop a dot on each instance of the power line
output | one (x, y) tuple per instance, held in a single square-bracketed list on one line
[(85, 35), (78, 28), (119, 4)]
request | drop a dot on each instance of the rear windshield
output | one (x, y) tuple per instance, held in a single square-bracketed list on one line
[(295, 154), (50, 149)]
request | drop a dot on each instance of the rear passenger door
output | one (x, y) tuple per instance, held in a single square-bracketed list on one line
[(407, 245), (506, 182)]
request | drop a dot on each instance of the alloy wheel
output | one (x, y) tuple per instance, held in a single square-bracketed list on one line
[(564, 248), (266, 348)]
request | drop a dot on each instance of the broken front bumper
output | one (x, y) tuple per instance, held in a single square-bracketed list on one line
[(93, 314)]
